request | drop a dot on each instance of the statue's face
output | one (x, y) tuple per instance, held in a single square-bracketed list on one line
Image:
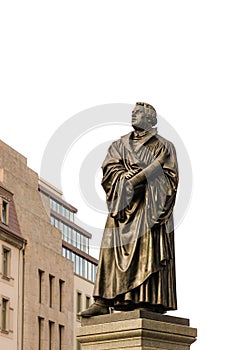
[(139, 120)]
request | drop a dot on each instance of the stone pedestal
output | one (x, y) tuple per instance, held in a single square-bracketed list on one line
[(136, 330)]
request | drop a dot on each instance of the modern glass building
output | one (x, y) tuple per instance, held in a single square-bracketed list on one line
[(75, 240)]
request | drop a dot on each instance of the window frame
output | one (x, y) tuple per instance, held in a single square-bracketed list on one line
[(6, 262), (4, 214), (51, 290), (5, 315), (61, 330), (51, 334), (61, 295), (79, 299), (40, 332), (87, 301), (41, 283)]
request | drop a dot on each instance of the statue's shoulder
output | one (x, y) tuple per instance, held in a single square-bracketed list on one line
[(165, 142), (120, 142), (126, 137)]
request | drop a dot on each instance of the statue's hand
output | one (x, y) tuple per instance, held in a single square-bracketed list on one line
[(131, 173)]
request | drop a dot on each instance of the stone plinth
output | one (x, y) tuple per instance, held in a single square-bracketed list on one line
[(136, 330)]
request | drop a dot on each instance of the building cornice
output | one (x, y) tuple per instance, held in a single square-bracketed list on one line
[(79, 252), (71, 224), (11, 237), (50, 194)]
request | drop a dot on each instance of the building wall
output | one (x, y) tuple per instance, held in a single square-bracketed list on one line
[(43, 252), (11, 256), (9, 289)]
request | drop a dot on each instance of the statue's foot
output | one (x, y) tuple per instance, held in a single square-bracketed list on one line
[(95, 310)]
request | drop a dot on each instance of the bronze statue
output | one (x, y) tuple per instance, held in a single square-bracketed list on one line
[(137, 261)]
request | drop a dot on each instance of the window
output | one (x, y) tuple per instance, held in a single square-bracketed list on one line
[(64, 252), (61, 335), (4, 211), (69, 234), (51, 335), (40, 332), (61, 293), (77, 264), (56, 223), (5, 315), (41, 278), (74, 238), (6, 253), (52, 220), (78, 240), (51, 282), (88, 301), (78, 305), (84, 268)]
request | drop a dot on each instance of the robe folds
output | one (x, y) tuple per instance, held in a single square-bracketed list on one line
[(137, 259)]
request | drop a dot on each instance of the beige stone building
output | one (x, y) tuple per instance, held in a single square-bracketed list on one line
[(12, 247), (46, 272), (37, 295)]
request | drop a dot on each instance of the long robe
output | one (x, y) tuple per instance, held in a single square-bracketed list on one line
[(137, 259)]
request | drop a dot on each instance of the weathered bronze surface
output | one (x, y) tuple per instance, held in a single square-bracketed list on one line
[(137, 260)]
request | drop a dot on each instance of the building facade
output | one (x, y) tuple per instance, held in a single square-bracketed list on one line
[(46, 272), (46, 299), (12, 247)]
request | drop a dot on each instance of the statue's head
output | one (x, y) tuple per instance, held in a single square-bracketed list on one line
[(144, 116)]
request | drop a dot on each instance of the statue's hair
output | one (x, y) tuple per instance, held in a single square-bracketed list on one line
[(150, 112)]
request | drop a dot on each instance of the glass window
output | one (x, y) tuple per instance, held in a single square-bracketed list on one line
[(81, 266), (78, 304), (74, 241), (52, 220), (88, 301), (51, 290), (60, 209), (51, 335), (61, 335), (64, 252), (5, 314), (81, 242), (85, 268), (40, 332), (84, 243), (89, 270), (41, 280), (6, 253), (56, 223), (61, 294), (78, 240), (71, 216), (77, 264), (65, 228), (4, 211), (69, 235), (69, 254)]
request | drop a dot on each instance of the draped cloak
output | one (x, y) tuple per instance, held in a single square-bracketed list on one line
[(137, 259)]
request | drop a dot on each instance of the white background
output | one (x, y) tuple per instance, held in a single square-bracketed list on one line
[(61, 57)]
